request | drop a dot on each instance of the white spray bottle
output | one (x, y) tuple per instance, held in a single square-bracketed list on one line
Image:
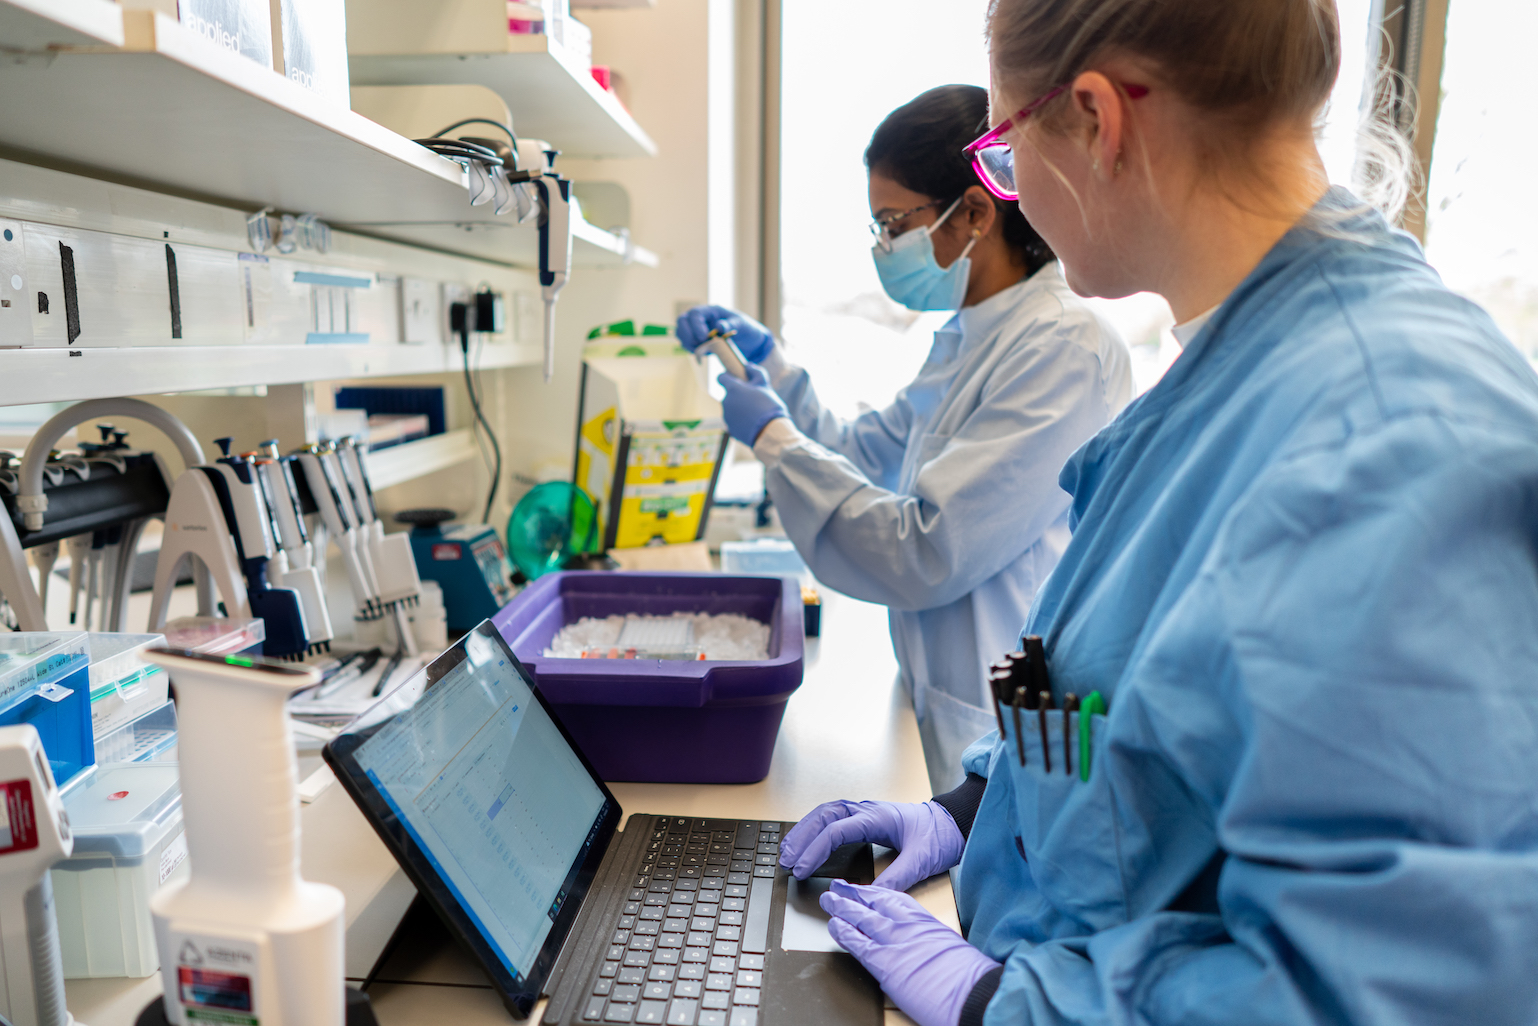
[(244, 939), (34, 834)]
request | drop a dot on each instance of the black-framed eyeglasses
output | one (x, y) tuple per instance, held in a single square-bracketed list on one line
[(881, 227)]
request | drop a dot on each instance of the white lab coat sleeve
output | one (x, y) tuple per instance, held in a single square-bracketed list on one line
[(874, 441), (981, 496)]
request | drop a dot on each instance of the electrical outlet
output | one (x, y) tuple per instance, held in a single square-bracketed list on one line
[(422, 316), (528, 318)]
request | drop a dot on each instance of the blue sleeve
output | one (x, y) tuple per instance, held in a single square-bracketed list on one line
[(1351, 685), (981, 496)]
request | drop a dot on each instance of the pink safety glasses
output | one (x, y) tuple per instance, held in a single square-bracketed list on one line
[(994, 160)]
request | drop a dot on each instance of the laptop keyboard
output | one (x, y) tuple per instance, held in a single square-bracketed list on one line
[(688, 947)]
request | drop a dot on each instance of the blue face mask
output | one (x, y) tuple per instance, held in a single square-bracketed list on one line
[(911, 276)]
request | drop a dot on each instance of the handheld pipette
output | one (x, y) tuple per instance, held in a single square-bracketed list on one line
[(34, 834)]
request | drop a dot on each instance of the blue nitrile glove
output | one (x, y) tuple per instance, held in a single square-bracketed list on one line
[(749, 405), (923, 965), (752, 340), (928, 839)]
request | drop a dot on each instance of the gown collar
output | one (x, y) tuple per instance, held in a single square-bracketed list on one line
[(980, 321)]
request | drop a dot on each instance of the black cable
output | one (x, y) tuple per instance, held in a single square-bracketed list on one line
[(479, 121), (458, 149), (480, 442), (475, 405)]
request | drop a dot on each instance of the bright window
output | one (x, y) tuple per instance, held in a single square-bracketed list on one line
[(1482, 228), (848, 65)]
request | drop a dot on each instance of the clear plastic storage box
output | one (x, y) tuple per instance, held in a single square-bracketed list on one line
[(217, 635), (127, 821), (45, 681), (776, 556), (149, 738), (123, 686)]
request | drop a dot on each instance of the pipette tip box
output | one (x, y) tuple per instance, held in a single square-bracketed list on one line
[(150, 737), (123, 686), (654, 720), (45, 681)]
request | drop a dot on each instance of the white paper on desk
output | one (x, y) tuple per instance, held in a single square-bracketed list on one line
[(806, 924), (355, 697)]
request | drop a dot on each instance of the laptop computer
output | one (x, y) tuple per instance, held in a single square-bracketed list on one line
[(515, 842)]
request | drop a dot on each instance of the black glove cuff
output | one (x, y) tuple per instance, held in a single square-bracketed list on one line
[(962, 803), (977, 1001)]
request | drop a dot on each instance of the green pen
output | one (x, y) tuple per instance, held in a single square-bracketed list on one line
[(1093, 703)]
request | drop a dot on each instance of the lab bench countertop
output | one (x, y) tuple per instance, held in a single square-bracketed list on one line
[(848, 732)]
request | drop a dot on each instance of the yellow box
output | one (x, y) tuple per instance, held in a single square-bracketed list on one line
[(650, 441)]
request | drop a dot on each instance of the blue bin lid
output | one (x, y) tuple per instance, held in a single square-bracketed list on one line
[(30, 660), (126, 809)]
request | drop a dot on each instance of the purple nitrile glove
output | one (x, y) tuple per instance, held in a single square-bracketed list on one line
[(923, 965), (749, 405), (753, 340), (928, 839)]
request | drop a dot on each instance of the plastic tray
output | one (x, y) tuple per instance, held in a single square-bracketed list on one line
[(663, 721)]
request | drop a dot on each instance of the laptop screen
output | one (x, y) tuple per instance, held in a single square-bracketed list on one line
[(478, 788)]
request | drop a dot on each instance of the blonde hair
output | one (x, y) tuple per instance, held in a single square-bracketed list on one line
[(1248, 66)]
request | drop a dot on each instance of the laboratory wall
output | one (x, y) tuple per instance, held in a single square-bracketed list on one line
[(666, 56)]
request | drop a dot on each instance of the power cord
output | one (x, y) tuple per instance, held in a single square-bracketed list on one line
[(480, 121), (459, 321)]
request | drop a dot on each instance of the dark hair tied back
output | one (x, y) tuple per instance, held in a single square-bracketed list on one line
[(919, 147)]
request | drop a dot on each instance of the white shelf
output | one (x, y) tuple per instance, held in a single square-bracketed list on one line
[(401, 463), (33, 25), (490, 237), (62, 375), (550, 91), (171, 110)]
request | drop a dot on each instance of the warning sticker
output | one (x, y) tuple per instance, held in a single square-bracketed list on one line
[(215, 980), (215, 990), (18, 822)]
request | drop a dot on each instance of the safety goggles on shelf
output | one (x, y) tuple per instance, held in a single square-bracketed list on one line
[(994, 160)]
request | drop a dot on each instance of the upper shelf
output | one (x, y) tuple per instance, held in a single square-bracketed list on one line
[(48, 24), (550, 91), (49, 375), (478, 233), (174, 111)]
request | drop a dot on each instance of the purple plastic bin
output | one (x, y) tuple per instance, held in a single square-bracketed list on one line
[(663, 721)]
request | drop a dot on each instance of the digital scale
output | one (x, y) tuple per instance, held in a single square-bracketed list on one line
[(468, 562)]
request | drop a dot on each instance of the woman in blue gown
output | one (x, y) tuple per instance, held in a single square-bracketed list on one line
[(1303, 579)]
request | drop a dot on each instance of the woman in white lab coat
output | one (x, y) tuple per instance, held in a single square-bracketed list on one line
[(945, 505)]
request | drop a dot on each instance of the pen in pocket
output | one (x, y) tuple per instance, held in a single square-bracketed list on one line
[(1093, 703)]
